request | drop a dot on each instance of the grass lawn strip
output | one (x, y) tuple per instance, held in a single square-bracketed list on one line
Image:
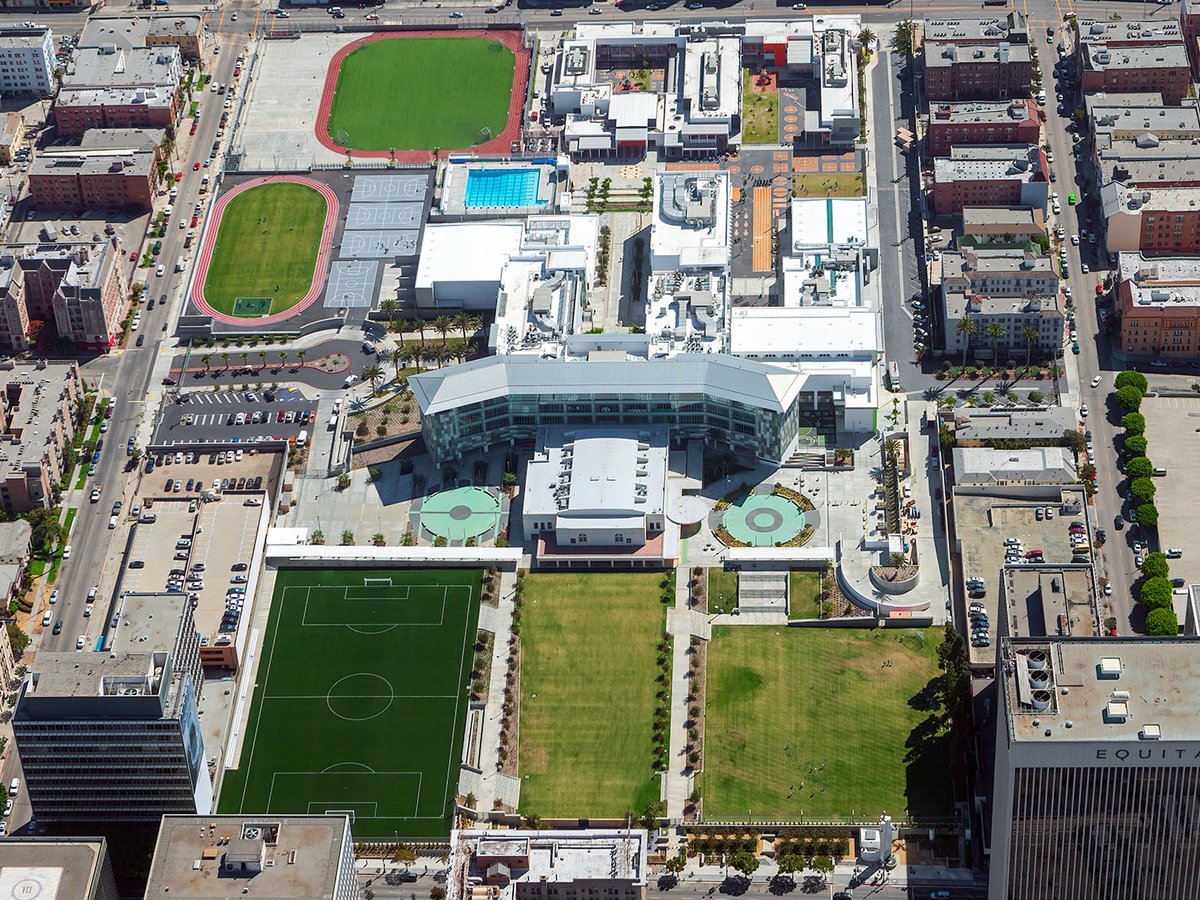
[(804, 586), (422, 93), (587, 693), (360, 701), (760, 113), (785, 702), (830, 184), (722, 591), (267, 246)]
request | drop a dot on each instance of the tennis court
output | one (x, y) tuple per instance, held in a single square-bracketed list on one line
[(361, 699)]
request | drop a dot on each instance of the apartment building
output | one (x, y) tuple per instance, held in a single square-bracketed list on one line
[(111, 87), (79, 289), (135, 32), (75, 178), (12, 136), (979, 176), (124, 724), (27, 60), (998, 226), (61, 868), (1155, 221), (982, 122), (1162, 69), (1015, 290), (977, 59), (1159, 302), (39, 413)]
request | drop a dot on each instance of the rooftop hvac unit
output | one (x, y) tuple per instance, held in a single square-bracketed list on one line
[(252, 834), (1041, 699), (1036, 659), (1039, 679)]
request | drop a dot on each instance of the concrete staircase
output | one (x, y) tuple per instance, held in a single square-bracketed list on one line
[(806, 459), (763, 592)]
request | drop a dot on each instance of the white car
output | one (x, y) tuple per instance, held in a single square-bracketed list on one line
[(1096, 381), (87, 609), (66, 555), (1083, 411), (80, 641), (1075, 240), (54, 596), (1084, 267), (254, 501), (159, 271)]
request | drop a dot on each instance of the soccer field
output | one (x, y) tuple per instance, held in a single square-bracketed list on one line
[(267, 247), (361, 700), (422, 93)]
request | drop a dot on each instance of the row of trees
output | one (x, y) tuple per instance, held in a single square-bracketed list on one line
[(1154, 595), (966, 328), (465, 323)]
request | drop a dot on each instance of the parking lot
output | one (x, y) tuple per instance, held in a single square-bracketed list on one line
[(989, 521), (228, 417), (204, 554), (1174, 444)]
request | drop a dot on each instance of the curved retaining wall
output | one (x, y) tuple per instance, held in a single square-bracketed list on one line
[(902, 586)]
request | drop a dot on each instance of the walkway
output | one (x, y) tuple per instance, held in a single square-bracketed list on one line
[(761, 230), (489, 785)]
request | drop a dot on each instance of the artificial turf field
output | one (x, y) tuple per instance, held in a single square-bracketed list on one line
[(422, 93), (267, 247), (360, 701), (587, 692), (817, 714)]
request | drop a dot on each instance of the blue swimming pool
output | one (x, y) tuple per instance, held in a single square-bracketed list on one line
[(502, 188)]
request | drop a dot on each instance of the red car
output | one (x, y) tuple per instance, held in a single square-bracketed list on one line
[(179, 176), (196, 167), (133, 256), (195, 219), (237, 71), (1099, 289), (193, 128)]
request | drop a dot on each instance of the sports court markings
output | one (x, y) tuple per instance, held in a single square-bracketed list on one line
[(377, 244), (351, 284), (385, 216), (390, 595), (305, 777), (389, 188)]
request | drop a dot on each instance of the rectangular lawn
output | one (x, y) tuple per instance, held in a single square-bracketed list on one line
[(587, 692), (360, 700), (818, 713)]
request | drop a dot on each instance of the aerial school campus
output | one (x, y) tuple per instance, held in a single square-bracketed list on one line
[(565, 526), (661, 691)]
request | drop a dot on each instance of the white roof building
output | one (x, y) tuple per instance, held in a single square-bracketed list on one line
[(1038, 465)]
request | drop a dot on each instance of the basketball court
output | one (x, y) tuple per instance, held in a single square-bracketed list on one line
[(361, 700)]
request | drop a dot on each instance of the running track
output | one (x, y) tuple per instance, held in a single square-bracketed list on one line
[(499, 144), (320, 267)]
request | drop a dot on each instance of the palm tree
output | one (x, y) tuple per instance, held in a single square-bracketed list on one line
[(400, 326), (443, 324), (995, 331), (466, 322), (389, 307), (456, 347), (282, 358), (373, 374), (262, 360), (300, 356), (225, 358), (396, 356), (1031, 335), (244, 357), (206, 359), (420, 323), (965, 328), (411, 351), (442, 355), (866, 37)]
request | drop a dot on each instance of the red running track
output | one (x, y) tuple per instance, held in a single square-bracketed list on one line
[(499, 144), (320, 267)]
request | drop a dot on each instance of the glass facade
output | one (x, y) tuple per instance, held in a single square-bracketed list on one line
[(768, 434)]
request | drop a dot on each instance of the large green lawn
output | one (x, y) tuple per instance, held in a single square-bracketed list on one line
[(760, 113), (266, 246), (360, 700), (422, 93), (587, 693), (785, 702)]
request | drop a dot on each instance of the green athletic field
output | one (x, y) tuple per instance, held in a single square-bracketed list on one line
[(422, 93), (266, 248), (824, 723), (360, 702), (587, 692)]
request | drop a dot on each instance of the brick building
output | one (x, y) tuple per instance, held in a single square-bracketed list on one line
[(1154, 221), (80, 291), (39, 410), (1159, 303), (111, 87), (990, 176), (76, 178), (1162, 69), (977, 59), (982, 122)]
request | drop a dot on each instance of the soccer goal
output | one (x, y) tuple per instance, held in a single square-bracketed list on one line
[(377, 582)]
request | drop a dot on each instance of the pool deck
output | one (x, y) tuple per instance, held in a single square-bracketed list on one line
[(454, 189)]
